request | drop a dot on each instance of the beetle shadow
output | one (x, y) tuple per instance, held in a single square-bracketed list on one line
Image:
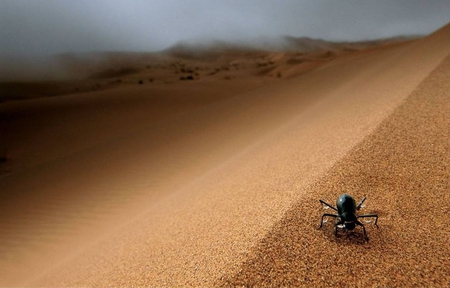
[(354, 237), (345, 236)]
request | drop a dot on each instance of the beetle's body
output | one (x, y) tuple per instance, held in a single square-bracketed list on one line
[(347, 218), (346, 207), (346, 203)]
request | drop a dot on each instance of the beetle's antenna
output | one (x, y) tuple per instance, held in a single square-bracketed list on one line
[(360, 203), (325, 203)]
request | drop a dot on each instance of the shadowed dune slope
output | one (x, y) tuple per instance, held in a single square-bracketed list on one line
[(175, 184)]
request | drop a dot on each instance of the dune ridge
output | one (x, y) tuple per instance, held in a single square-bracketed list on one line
[(195, 186)]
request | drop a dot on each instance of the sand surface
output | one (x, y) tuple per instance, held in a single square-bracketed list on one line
[(404, 170), (216, 180)]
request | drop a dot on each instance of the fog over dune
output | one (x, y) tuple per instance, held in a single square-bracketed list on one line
[(48, 27)]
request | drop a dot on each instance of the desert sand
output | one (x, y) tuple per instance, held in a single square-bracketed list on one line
[(205, 169)]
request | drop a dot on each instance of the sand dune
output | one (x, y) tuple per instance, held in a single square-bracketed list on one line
[(151, 179), (403, 168)]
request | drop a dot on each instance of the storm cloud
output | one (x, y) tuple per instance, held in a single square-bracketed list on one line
[(42, 27)]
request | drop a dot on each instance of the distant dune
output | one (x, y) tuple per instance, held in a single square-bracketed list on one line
[(204, 166), (28, 77)]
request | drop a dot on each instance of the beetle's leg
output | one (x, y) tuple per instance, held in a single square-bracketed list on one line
[(325, 203), (364, 229), (326, 214), (360, 203), (340, 222), (370, 215)]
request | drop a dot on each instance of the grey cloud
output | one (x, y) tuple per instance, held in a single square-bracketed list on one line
[(46, 27)]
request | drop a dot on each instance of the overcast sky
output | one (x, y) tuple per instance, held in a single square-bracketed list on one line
[(54, 26)]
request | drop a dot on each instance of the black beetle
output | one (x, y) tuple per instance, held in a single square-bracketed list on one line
[(347, 218)]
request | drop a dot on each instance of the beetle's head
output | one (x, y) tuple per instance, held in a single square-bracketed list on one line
[(350, 225)]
